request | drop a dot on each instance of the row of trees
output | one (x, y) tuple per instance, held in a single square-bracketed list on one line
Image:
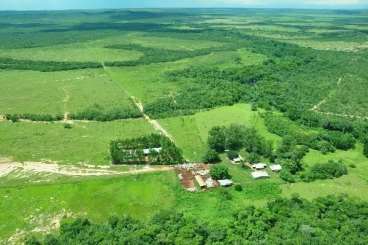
[(99, 113), (34, 117), (44, 66), (327, 220), (131, 151)]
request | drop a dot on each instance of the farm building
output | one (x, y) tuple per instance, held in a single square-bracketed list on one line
[(200, 181), (237, 160), (148, 151), (211, 183), (225, 182), (276, 167), (259, 166), (260, 175)]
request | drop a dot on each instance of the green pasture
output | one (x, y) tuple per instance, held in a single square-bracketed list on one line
[(58, 92), (191, 132), (86, 142)]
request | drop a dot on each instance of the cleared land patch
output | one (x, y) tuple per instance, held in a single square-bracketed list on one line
[(85, 142), (53, 93), (191, 132)]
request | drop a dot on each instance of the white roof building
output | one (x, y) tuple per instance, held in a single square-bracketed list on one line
[(225, 182), (260, 174), (210, 183), (259, 166), (276, 167)]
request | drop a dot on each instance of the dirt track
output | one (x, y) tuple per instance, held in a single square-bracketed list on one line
[(7, 167)]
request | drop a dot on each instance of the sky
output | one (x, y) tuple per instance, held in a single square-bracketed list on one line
[(96, 4)]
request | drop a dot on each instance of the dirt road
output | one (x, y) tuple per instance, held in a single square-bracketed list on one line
[(8, 167)]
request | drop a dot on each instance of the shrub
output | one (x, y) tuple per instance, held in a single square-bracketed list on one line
[(238, 187), (232, 155), (219, 172), (287, 176), (211, 157), (365, 150), (68, 126), (340, 140), (329, 170), (217, 138)]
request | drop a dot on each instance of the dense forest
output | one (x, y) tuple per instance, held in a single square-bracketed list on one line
[(283, 221)]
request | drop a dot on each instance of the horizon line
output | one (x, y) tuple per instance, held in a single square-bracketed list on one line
[(219, 8)]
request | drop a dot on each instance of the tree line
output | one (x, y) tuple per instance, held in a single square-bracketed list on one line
[(325, 220)]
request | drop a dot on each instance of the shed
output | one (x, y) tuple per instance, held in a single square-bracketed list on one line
[(259, 166), (200, 181), (146, 151), (260, 175), (225, 182), (158, 149), (237, 160), (210, 183), (276, 167)]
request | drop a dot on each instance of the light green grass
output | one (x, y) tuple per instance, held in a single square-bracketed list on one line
[(81, 52), (58, 92), (139, 196), (191, 132), (354, 184), (85, 142)]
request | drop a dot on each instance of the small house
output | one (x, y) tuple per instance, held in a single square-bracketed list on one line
[(276, 167), (225, 182), (259, 166), (260, 175), (210, 183), (200, 181), (237, 160), (146, 151)]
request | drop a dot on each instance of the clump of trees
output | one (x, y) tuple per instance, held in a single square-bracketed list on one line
[(325, 220), (211, 156), (131, 151), (329, 170), (99, 113), (236, 137), (220, 172)]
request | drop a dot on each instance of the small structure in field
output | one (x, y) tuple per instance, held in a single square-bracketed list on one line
[(200, 181), (149, 150), (225, 182), (260, 175), (211, 183), (276, 167), (259, 166), (237, 160)]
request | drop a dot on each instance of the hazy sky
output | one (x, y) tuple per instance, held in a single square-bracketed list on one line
[(92, 4)]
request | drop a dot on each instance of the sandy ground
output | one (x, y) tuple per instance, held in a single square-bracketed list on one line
[(7, 167)]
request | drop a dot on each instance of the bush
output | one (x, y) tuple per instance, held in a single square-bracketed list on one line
[(287, 176), (340, 140), (219, 172), (68, 126), (330, 170), (98, 113), (365, 150), (238, 187), (211, 157), (232, 155), (217, 138)]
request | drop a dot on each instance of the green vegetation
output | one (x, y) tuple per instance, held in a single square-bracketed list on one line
[(220, 172), (86, 142), (312, 222), (160, 150), (272, 86)]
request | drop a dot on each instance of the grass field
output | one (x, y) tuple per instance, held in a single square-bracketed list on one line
[(85, 142), (58, 92), (191, 132), (332, 76)]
